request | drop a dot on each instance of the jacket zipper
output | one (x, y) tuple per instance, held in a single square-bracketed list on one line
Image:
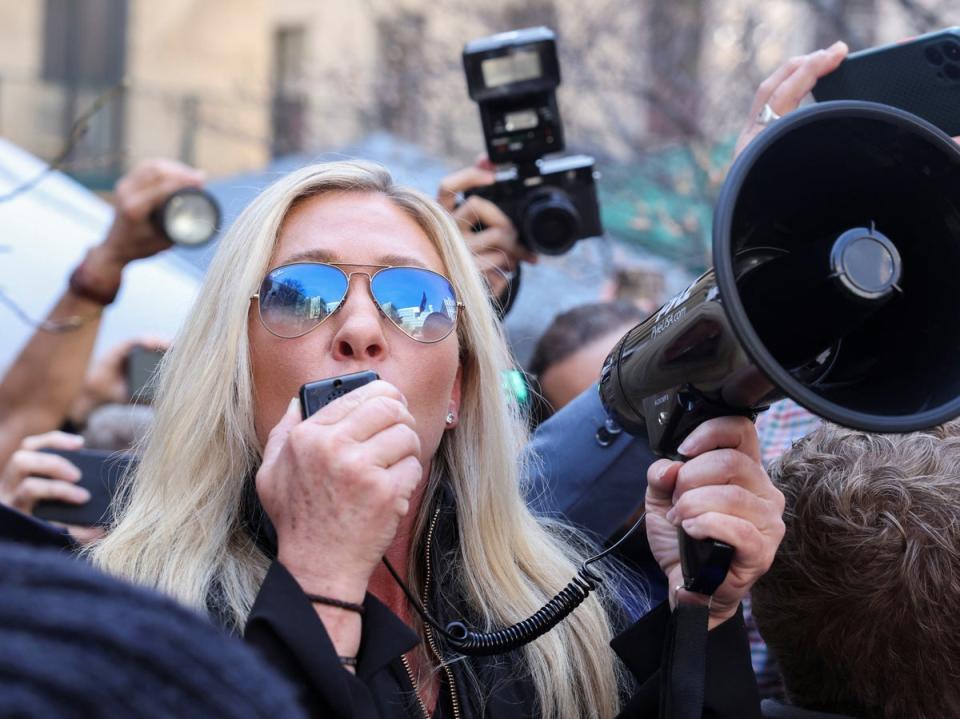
[(428, 631), (416, 688)]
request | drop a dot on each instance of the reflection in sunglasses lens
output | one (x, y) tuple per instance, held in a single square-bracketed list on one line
[(419, 302), (296, 298)]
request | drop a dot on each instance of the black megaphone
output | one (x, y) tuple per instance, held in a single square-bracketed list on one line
[(836, 282)]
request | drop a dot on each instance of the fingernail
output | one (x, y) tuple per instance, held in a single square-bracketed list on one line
[(295, 402), (688, 525), (837, 45), (672, 515), (82, 494), (686, 446)]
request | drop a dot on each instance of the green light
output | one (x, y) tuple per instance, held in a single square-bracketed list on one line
[(515, 383)]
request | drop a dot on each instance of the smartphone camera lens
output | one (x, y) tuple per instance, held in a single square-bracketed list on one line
[(952, 51), (933, 55)]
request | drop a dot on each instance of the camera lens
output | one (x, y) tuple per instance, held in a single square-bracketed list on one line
[(952, 51), (551, 223)]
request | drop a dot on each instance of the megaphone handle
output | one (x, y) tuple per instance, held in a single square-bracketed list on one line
[(704, 562)]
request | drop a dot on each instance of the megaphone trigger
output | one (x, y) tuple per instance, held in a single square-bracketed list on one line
[(704, 562)]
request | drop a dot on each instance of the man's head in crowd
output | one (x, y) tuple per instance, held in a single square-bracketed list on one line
[(861, 604), (569, 355)]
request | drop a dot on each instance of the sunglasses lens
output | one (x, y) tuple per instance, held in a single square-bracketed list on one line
[(419, 302), (296, 298)]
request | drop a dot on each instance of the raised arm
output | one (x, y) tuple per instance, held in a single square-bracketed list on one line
[(42, 383)]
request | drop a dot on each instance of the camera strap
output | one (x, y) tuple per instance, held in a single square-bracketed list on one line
[(685, 663)]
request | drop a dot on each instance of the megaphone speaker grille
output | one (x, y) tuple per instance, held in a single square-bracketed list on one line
[(837, 251)]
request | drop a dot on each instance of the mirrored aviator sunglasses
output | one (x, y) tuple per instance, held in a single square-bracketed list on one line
[(294, 299)]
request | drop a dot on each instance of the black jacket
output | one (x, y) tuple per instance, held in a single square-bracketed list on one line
[(285, 628), (287, 631)]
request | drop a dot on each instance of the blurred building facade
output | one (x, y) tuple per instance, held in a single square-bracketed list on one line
[(180, 78), (226, 84), (636, 74)]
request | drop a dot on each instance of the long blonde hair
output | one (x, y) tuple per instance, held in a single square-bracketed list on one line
[(180, 528)]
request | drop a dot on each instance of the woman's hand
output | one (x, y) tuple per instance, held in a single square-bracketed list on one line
[(496, 248), (33, 476), (785, 89), (337, 484), (721, 492)]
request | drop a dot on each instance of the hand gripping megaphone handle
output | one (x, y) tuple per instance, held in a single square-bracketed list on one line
[(704, 561)]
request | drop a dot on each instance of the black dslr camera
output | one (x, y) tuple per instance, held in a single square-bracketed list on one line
[(513, 77)]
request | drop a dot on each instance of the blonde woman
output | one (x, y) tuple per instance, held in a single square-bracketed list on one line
[(332, 270)]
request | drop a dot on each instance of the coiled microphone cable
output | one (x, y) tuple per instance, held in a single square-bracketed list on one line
[(478, 644)]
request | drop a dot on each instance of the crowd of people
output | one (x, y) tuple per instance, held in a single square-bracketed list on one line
[(256, 562)]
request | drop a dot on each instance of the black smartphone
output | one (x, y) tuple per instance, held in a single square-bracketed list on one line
[(100, 473), (141, 373), (920, 75), (316, 395)]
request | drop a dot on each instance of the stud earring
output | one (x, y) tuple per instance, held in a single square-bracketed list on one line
[(451, 417)]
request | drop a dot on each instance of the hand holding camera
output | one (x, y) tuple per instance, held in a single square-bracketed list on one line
[(342, 480), (552, 202), (490, 234)]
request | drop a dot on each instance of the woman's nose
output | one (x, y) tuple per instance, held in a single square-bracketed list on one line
[(359, 333)]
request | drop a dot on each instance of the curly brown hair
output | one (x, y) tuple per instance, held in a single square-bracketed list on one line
[(861, 604)]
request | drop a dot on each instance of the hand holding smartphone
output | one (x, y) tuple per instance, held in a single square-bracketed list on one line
[(921, 76), (100, 473)]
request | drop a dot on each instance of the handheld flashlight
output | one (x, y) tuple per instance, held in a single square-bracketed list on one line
[(188, 217)]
